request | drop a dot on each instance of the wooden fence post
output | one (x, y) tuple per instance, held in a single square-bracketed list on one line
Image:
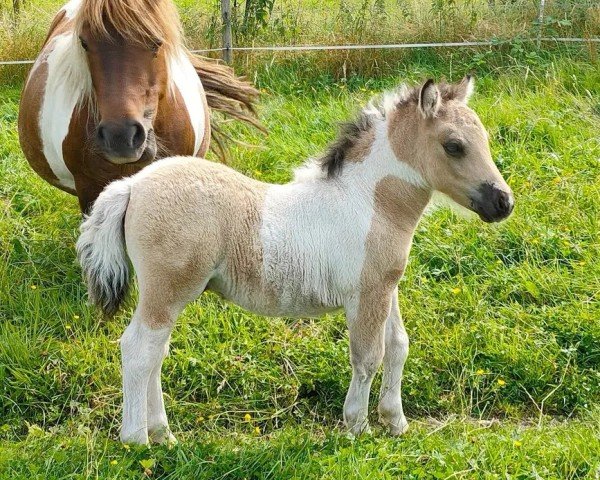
[(540, 23), (227, 42)]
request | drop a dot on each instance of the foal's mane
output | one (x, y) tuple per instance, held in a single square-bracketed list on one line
[(145, 22), (379, 107)]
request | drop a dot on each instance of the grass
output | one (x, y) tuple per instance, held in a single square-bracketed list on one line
[(503, 378), (327, 22)]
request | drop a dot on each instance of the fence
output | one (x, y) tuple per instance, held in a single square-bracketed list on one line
[(228, 48)]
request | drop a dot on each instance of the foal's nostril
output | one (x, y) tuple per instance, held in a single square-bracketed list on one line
[(504, 203)]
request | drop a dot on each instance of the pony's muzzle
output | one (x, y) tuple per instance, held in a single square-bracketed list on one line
[(493, 203), (122, 142)]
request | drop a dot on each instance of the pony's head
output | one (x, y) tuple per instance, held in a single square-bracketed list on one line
[(433, 130), (128, 44)]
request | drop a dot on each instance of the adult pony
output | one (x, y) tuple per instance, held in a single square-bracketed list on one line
[(338, 236), (114, 88)]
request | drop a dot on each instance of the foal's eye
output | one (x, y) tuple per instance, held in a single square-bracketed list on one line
[(83, 44), (454, 148)]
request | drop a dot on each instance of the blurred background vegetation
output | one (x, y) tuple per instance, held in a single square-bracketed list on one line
[(23, 26)]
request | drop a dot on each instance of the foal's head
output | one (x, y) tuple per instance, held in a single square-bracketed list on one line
[(449, 147), (127, 44)]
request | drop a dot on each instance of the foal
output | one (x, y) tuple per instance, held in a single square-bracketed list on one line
[(338, 236)]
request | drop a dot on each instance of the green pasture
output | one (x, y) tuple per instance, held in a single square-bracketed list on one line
[(503, 377)]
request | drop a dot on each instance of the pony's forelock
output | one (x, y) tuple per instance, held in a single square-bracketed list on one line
[(143, 22)]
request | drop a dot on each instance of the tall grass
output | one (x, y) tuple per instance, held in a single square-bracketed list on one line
[(335, 22)]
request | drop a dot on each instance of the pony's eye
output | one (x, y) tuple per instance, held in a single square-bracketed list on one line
[(83, 44), (454, 148), (156, 47)]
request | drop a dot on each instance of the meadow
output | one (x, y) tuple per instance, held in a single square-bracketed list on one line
[(503, 376)]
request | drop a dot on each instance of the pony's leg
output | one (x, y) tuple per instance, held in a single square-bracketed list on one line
[(396, 351), (366, 324), (158, 424), (143, 347)]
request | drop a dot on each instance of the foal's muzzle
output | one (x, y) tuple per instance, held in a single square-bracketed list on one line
[(122, 142), (492, 203)]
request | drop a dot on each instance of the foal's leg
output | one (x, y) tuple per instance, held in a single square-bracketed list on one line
[(396, 351), (158, 424), (144, 346), (366, 324)]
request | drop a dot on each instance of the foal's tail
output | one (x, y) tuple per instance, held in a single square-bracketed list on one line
[(101, 248), (228, 94)]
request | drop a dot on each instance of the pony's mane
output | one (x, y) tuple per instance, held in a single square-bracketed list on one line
[(378, 108), (145, 22)]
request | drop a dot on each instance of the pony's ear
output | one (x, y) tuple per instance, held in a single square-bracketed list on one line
[(465, 89), (429, 99)]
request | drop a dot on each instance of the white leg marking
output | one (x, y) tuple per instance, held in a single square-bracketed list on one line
[(396, 351), (186, 80), (158, 424), (366, 353), (142, 351)]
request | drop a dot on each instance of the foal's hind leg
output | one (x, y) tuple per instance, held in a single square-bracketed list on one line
[(396, 351), (143, 346), (158, 424), (366, 324)]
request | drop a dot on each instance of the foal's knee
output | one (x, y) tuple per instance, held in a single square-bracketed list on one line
[(397, 343), (366, 364)]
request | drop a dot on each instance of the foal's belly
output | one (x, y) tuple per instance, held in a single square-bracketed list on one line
[(268, 301)]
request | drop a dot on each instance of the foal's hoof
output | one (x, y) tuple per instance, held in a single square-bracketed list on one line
[(359, 429), (135, 438), (162, 436), (397, 427)]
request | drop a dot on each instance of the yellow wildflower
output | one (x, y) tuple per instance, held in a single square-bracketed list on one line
[(501, 382), (517, 443), (480, 372), (113, 462), (257, 430), (247, 417), (33, 287), (76, 317), (456, 290)]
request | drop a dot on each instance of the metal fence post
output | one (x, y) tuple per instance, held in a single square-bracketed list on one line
[(226, 17)]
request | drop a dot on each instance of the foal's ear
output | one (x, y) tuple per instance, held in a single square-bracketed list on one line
[(465, 89), (429, 99)]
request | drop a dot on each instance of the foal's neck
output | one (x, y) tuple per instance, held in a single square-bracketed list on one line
[(395, 190)]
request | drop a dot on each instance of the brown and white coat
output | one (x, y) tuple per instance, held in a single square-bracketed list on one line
[(338, 236)]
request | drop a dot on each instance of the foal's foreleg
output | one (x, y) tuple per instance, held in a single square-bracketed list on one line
[(143, 346), (396, 351), (366, 324)]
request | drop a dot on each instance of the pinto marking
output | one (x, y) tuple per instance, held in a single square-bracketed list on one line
[(118, 90), (67, 85), (188, 83), (337, 236)]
